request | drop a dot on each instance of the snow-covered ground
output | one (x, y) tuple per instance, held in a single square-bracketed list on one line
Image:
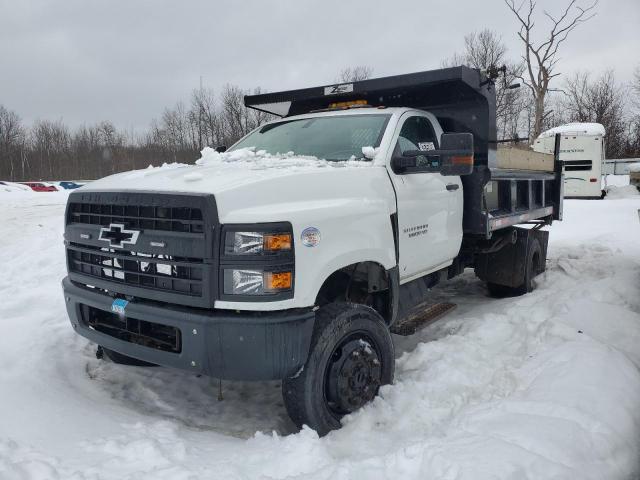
[(537, 387)]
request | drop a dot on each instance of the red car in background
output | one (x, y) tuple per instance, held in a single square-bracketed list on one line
[(40, 187)]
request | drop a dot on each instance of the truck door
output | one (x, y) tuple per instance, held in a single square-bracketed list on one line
[(429, 205)]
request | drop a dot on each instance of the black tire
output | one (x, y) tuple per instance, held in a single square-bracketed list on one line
[(499, 291), (532, 268), (121, 359), (351, 355)]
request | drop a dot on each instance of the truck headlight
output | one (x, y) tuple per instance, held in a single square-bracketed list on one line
[(256, 243), (256, 282), (257, 262)]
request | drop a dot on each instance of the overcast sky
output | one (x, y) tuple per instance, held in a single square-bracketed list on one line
[(123, 60)]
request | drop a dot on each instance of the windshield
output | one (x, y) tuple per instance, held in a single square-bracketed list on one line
[(335, 138)]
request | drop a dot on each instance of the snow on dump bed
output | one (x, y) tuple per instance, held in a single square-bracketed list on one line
[(542, 386), (634, 167)]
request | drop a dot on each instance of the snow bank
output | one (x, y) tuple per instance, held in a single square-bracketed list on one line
[(617, 186), (614, 180), (542, 386), (621, 191)]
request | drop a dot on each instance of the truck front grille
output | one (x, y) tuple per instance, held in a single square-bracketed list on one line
[(170, 254)]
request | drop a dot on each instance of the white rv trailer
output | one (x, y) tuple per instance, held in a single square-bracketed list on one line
[(582, 151)]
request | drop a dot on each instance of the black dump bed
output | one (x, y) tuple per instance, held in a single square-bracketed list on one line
[(463, 100)]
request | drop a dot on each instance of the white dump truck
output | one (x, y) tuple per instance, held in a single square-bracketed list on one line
[(301, 273)]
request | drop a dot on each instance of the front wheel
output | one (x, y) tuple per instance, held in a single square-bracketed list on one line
[(350, 357)]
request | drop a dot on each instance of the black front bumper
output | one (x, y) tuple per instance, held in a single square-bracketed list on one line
[(221, 344)]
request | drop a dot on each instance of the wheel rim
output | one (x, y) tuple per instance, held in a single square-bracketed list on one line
[(353, 374)]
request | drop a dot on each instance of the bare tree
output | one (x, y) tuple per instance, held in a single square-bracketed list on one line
[(354, 74), (236, 116), (602, 101), (635, 88), (485, 50), (50, 143), (632, 148), (204, 113), (455, 60), (482, 50), (11, 141), (541, 58)]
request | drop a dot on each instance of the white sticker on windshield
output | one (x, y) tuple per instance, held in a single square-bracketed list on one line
[(426, 146)]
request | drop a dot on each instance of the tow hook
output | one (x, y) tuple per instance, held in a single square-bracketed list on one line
[(99, 352)]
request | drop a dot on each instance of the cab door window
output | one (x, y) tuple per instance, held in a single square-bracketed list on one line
[(417, 134)]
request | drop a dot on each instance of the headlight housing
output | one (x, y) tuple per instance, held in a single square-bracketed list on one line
[(257, 243), (257, 262), (256, 282)]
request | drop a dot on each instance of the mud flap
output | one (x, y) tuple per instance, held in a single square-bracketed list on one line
[(507, 265)]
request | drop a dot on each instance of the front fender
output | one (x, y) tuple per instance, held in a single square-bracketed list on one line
[(351, 208)]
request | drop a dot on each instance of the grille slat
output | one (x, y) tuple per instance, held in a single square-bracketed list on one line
[(171, 219), (143, 271)]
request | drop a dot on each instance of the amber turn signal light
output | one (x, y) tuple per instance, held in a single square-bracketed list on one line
[(275, 281), (276, 242), (462, 160)]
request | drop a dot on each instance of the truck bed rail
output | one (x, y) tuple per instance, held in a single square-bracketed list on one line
[(511, 197)]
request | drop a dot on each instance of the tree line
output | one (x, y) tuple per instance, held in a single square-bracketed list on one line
[(52, 150)]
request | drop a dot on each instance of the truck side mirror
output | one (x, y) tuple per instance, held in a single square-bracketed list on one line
[(455, 157), (456, 154), (221, 148)]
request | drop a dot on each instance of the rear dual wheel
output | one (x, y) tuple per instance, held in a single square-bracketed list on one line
[(350, 357), (533, 266)]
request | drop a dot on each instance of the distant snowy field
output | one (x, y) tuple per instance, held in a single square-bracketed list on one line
[(537, 387)]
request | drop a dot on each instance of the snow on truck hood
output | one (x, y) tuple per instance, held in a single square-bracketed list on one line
[(217, 172)]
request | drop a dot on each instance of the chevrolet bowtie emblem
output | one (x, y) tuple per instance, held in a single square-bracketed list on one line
[(118, 236)]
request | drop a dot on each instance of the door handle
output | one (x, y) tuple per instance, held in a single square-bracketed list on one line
[(452, 187)]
